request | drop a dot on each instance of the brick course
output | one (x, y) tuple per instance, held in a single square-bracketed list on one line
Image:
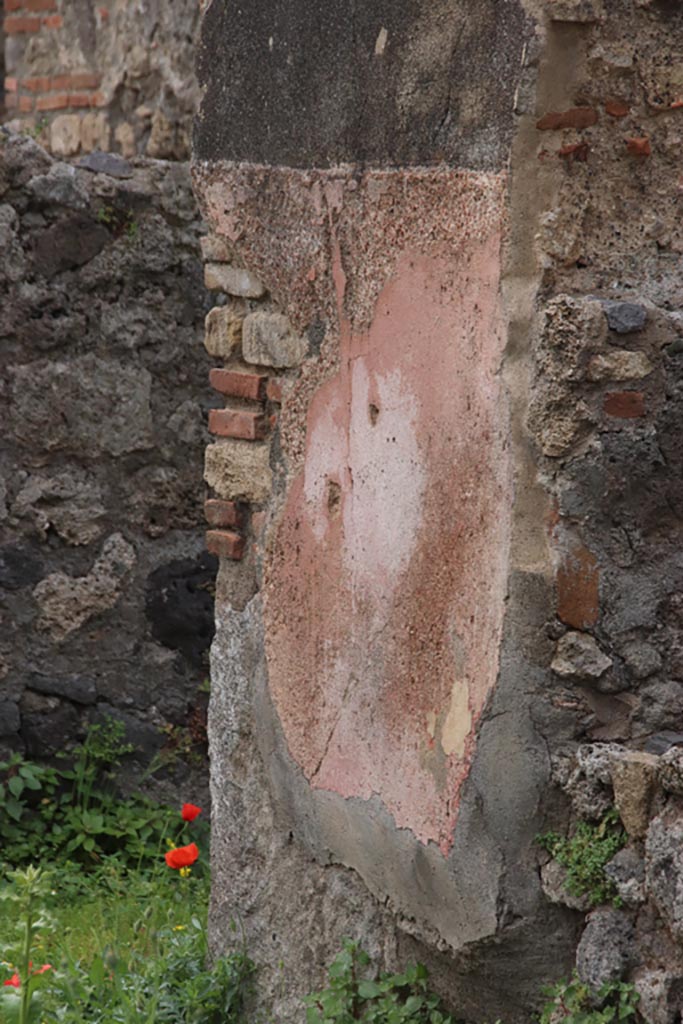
[(225, 544), (223, 513), (240, 423), (238, 385)]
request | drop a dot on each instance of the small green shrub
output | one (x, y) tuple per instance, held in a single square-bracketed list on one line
[(75, 812), (572, 1002), (390, 999), (585, 853)]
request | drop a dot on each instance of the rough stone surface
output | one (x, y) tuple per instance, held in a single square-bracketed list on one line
[(578, 657), (664, 868), (670, 771), (642, 659), (606, 949), (627, 870), (553, 880), (223, 331), (232, 280), (268, 340), (625, 317), (239, 470), (661, 995), (633, 777), (103, 403), (619, 365)]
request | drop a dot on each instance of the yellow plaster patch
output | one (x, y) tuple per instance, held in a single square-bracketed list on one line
[(458, 723)]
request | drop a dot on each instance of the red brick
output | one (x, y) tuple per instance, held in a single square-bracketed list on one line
[(59, 101), (577, 117), (225, 544), (36, 84), (626, 405), (40, 5), (11, 85), (240, 423), (274, 390), (11, 101), (578, 588), (13, 5), (238, 385), (617, 108), (98, 99), (575, 151), (77, 80), (53, 21), (17, 26), (639, 146), (80, 99), (26, 104), (223, 513)]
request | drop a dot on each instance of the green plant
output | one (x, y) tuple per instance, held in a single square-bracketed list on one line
[(126, 947), (585, 853), (118, 222), (75, 812), (389, 999), (20, 996), (572, 1002)]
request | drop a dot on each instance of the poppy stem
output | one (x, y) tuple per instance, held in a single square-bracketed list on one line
[(26, 953)]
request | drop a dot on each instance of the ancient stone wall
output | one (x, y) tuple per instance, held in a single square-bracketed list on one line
[(447, 487), (106, 591), (114, 75)]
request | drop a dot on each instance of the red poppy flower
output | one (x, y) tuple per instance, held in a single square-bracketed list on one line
[(45, 967), (182, 856), (190, 812), (14, 981)]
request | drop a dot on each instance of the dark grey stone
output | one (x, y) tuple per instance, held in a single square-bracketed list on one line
[(79, 689), (625, 317), (106, 163), (68, 244), (606, 949), (9, 718), (663, 741), (309, 84), (48, 731), (179, 605), (20, 566), (627, 871)]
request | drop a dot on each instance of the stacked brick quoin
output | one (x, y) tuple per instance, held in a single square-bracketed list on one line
[(106, 590), (259, 353), (106, 76)]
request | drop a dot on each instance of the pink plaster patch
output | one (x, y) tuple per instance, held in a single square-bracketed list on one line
[(385, 581)]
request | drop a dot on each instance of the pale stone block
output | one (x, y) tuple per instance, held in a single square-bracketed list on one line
[(619, 365), (221, 277), (268, 340), (239, 470), (125, 136), (223, 331), (95, 132), (65, 135)]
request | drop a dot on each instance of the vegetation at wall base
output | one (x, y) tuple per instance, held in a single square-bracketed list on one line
[(572, 1002), (113, 946), (585, 854), (388, 999), (75, 812)]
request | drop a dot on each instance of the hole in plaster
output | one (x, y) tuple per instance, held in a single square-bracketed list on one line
[(373, 413), (333, 497)]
